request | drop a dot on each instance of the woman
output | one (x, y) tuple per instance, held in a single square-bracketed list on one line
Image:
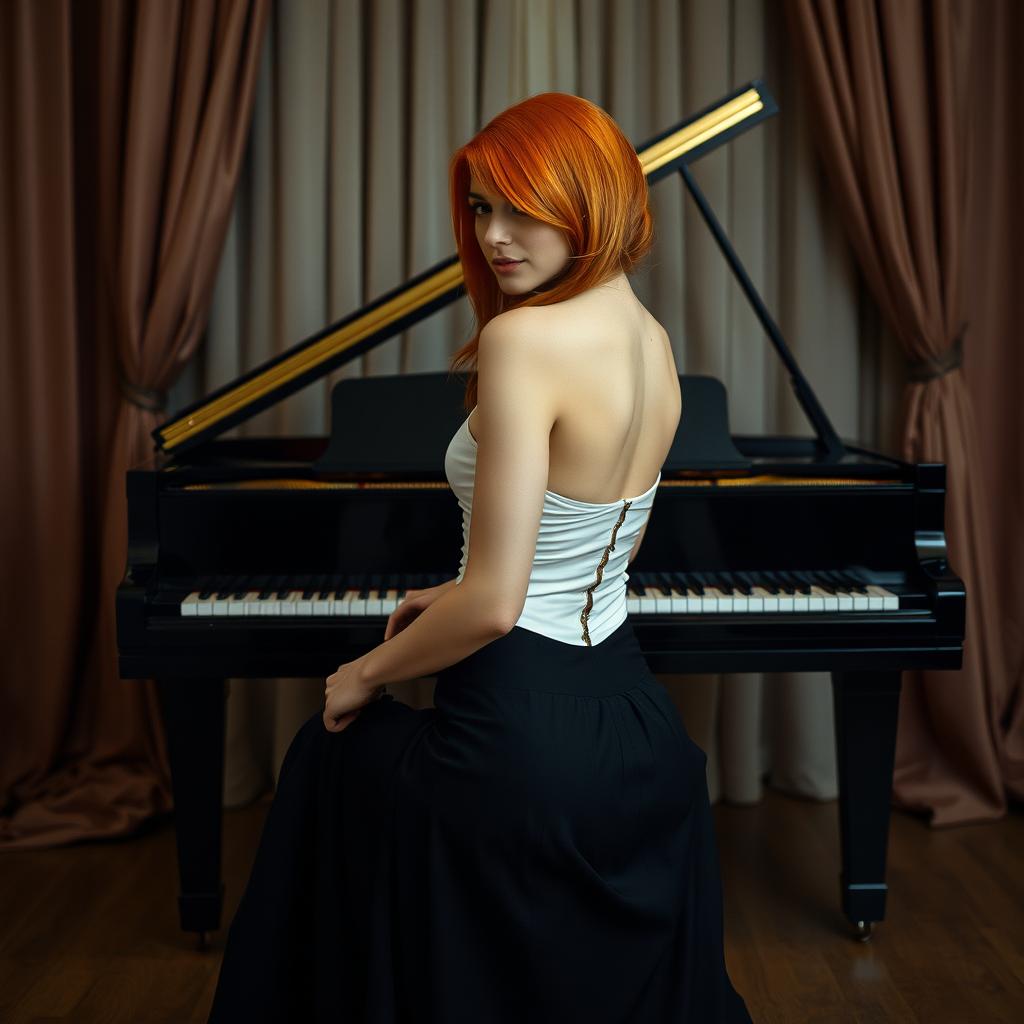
[(538, 846)]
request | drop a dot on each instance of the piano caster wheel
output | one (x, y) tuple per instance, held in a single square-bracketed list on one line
[(863, 931), (201, 943)]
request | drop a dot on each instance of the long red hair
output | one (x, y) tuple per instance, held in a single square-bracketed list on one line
[(563, 160)]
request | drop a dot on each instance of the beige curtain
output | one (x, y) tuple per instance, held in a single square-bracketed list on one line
[(343, 195)]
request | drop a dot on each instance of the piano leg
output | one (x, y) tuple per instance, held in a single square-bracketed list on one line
[(194, 717), (866, 713)]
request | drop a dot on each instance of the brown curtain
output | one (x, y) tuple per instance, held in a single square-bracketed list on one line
[(890, 85), (123, 127)]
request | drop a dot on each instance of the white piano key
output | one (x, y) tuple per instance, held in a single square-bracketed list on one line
[(251, 602), (236, 605), (220, 603), (343, 602), (357, 604), (374, 604), (724, 600), (632, 603), (876, 600), (786, 601), (272, 605), (890, 601), (829, 602), (770, 601), (648, 602), (678, 601), (663, 602), (389, 602), (801, 602), (289, 605), (323, 602), (190, 604), (860, 602)]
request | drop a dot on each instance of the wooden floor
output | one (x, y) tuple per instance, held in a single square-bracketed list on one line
[(89, 933)]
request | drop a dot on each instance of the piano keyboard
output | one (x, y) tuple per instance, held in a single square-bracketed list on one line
[(647, 593)]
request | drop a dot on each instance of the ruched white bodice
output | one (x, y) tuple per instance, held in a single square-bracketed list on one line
[(577, 589)]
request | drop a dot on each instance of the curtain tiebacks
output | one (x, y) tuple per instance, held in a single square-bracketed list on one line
[(934, 367), (151, 401)]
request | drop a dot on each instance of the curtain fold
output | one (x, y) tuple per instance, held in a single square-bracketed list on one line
[(889, 87), (154, 103)]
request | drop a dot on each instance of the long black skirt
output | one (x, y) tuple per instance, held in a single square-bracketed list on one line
[(538, 846)]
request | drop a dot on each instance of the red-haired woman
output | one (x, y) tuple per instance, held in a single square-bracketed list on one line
[(538, 846)]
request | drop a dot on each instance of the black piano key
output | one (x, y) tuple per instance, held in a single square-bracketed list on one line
[(720, 582), (737, 584), (845, 582), (813, 578), (747, 580), (665, 583), (791, 586), (854, 584), (794, 583), (691, 582), (703, 580)]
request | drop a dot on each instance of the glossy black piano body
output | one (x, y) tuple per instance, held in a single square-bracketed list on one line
[(263, 557)]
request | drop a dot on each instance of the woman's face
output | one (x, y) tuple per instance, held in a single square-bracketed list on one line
[(502, 231)]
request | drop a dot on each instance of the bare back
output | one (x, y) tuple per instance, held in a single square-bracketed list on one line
[(619, 399)]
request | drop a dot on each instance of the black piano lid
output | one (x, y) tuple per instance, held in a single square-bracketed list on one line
[(418, 298), (710, 449)]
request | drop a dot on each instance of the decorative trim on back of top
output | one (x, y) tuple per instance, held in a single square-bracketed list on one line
[(585, 614)]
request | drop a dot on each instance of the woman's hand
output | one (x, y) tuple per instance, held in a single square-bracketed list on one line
[(346, 696), (413, 604)]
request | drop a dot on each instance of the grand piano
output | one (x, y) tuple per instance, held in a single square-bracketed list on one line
[(284, 556)]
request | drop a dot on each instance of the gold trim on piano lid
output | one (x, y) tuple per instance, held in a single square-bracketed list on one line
[(775, 480), (313, 355), (298, 484), (693, 135), (675, 145), (319, 485)]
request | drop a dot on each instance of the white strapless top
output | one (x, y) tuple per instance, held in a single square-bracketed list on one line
[(577, 589)]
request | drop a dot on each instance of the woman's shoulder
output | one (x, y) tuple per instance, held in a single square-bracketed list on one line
[(608, 319)]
